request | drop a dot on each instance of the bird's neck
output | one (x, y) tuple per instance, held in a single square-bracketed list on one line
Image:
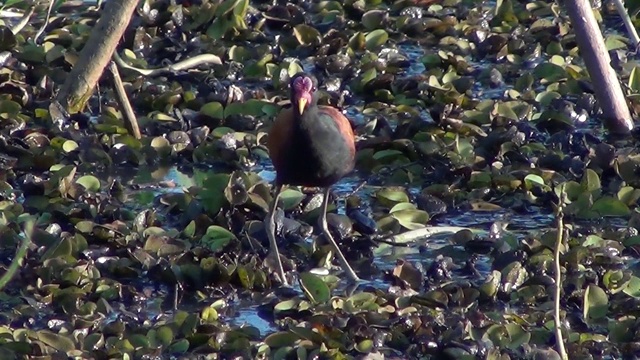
[(306, 119)]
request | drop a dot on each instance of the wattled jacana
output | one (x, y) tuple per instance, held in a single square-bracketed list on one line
[(310, 145)]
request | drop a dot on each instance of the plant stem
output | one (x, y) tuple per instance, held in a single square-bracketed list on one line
[(20, 254), (558, 285)]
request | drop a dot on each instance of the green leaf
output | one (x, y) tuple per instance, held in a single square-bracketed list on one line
[(241, 8), (281, 339), (212, 196), (411, 219), (590, 181), (217, 237), (226, 7), (165, 335), (549, 72), (179, 347), (391, 196), (56, 341), (69, 146), (291, 198), (634, 79), (89, 182), (628, 195), (218, 28), (209, 315), (633, 287), (375, 39), (596, 303), (609, 206), (373, 19), (533, 180), (316, 290), (251, 107), (246, 276), (213, 109), (307, 35)]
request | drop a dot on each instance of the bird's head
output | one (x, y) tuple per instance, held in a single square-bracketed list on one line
[(303, 88)]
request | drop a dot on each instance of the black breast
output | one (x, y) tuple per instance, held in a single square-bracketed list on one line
[(317, 155)]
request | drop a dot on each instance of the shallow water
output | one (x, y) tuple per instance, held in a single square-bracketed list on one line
[(146, 185)]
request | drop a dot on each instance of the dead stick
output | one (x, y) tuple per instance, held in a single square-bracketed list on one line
[(130, 120)]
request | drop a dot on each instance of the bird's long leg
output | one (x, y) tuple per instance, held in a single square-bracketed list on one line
[(325, 229), (271, 233)]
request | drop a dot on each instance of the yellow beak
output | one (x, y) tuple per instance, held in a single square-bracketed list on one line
[(302, 104)]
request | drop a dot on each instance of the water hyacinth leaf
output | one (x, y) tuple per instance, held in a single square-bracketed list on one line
[(165, 335), (179, 347), (365, 346), (209, 315), (595, 303), (373, 19), (291, 198), (56, 341), (361, 301), (357, 41), (69, 146), (549, 72), (307, 35), (286, 305), (236, 191), (609, 206), (491, 286), (633, 287), (62, 248), (316, 290), (85, 227), (246, 277), (218, 28), (375, 39), (591, 181), (389, 197), (281, 339), (517, 335), (402, 206), (216, 238), (213, 198), (240, 9), (616, 280), (411, 219), (634, 79), (628, 195), (213, 109), (533, 180), (504, 13), (9, 108), (89, 182), (621, 330), (251, 107), (613, 42), (226, 7)]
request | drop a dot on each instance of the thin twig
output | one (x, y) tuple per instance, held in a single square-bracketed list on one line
[(631, 29), (46, 21), (203, 59), (20, 254), (131, 122), (558, 282)]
